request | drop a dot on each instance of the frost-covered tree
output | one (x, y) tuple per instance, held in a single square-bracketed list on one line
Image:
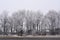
[(4, 23), (33, 20), (18, 19), (50, 21)]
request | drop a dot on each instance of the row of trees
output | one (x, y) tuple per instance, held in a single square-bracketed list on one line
[(31, 22)]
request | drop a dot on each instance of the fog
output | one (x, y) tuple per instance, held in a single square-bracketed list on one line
[(41, 5)]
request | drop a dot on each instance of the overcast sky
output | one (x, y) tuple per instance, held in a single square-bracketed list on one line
[(42, 5)]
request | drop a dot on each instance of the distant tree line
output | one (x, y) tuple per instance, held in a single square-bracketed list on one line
[(28, 22)]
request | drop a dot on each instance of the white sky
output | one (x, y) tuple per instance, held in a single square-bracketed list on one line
[(42, 5)]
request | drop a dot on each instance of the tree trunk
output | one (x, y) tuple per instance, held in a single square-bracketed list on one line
[(11, 29), (37, 27), (4, 26), (4, 29)]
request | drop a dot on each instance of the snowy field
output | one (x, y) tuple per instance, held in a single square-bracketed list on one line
[(15, 37)]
